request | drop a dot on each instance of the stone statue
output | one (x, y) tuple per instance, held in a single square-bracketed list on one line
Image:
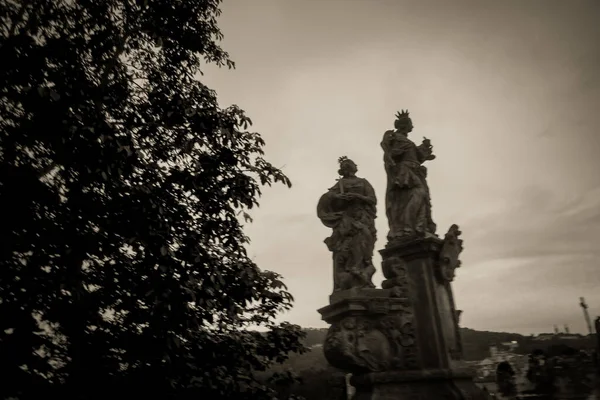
[(349, 209), (401, 341), (449, 255), (407, 199)]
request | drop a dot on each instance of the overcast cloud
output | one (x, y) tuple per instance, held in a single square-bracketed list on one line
[(509, 94)]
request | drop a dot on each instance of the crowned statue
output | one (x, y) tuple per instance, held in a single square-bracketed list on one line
[(407, 198), (348, 208)]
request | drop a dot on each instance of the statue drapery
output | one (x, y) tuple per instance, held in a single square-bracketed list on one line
[(407, 198), (348, 208)]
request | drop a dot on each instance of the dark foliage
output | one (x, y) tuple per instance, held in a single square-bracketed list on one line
[(310, 377), (314, 336), (123, 266), (476, 344)]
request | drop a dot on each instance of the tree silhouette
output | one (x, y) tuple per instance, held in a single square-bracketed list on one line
[(123, 267)]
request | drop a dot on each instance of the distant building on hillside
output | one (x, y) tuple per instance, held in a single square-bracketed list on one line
[(486, 368), (557, 336), (510, 346), (545, 336), (570, 336), (504, 348)]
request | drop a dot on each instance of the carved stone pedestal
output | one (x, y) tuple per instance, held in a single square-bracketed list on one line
[(403, 341), (416, 385), (371, 330)]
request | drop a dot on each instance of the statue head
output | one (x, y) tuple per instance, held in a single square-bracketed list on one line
[(403, 123), (347, 167)]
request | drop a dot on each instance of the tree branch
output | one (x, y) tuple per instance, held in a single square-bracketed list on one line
[(13, 27)]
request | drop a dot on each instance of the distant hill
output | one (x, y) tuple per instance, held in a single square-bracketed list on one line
[(476, 344)]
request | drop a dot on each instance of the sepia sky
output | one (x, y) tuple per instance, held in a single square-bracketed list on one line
[(507, 91)]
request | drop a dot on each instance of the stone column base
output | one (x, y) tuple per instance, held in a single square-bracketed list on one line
[(432, 384)]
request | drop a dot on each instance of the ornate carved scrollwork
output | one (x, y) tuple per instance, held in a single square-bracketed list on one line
[(383, 339), (374, 343), (448, 260), (353, 345), (400, 331), (394, 269)]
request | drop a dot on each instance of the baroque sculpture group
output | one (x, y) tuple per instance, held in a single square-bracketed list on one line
[(349, 206), (401, 341)]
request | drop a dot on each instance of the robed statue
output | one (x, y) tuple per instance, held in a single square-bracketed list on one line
[(349, 209), (407, 199)]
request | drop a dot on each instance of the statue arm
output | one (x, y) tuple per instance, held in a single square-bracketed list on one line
[(367, 195), (370, 196), (385, 145), (425, 151), (385, 142)]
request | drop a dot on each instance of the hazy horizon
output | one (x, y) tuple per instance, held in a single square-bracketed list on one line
[(508, 92)]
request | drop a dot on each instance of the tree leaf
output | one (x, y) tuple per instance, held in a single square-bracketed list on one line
[(129, 253)]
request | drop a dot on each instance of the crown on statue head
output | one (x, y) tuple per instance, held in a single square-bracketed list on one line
[(343, 159), (402, 114)]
